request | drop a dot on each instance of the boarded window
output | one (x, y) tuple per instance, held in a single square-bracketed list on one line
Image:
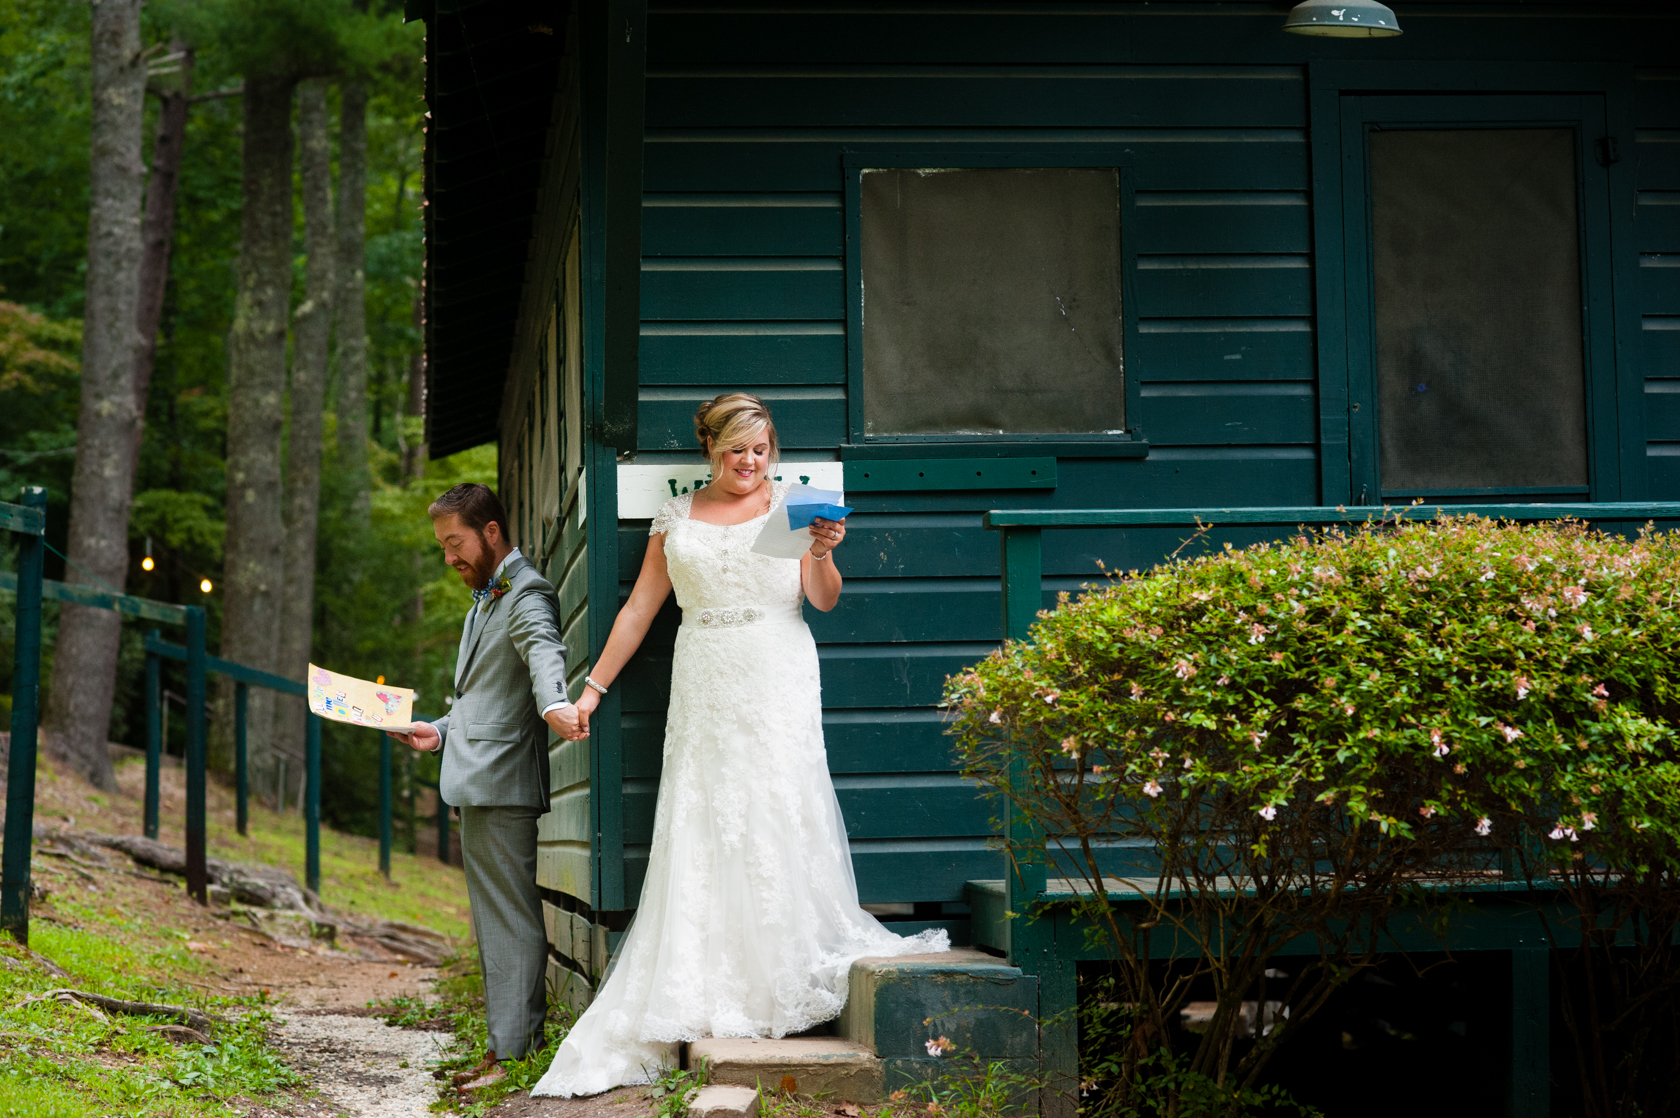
[(991, 301), (1478, 309)]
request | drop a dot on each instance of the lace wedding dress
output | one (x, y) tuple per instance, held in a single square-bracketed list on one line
[(749, 918)]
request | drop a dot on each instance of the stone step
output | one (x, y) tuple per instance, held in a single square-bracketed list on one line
[(982, 1005), (842, 1070), (720, 1101)]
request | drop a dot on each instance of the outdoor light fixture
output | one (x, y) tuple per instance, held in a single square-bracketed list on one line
[(204, 585), (1344, 19), (146, 564)]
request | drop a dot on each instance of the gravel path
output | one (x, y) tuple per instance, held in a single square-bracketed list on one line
[(357, 1062)]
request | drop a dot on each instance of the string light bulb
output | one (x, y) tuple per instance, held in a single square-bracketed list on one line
[(146, 564), (204, 585)]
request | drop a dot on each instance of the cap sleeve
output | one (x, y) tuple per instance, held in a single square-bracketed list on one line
[(670, 513)]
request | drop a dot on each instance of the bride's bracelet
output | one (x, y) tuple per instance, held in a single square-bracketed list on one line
[(815, 558), (589, 681)]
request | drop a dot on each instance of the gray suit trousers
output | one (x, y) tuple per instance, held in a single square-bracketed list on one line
[(499, 847)]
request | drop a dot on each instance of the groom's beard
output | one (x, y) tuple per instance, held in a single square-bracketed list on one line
[(481, 566)]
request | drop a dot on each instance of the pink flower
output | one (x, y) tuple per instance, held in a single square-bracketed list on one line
[(1257, 633), (1441, 747), (1050, 696), (1511, 732), (1486, 574), (1575, 595), (1070, 746), (1152, 789), (1137, 691), (1426, 811), (1523, 686), (1268, 813), (1484, 826), (1184, 669), (1602, 691), (1223, 680), (1589, 820), (1586, 632), (997, 718)]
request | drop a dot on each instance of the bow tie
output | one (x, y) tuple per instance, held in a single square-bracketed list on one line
[(482, 596)]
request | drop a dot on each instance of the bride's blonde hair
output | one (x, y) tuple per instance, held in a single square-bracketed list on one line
[(730, 422)]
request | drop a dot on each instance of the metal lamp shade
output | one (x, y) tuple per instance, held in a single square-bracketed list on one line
[(1347, 19)]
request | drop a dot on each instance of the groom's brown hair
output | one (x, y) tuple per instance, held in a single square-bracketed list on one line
[(476, 505)]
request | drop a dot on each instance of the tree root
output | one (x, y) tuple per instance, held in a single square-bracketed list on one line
[(194, 1018)]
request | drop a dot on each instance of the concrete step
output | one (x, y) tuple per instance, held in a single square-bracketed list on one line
[(843, 1070), (980, 1003), (718, 1101)]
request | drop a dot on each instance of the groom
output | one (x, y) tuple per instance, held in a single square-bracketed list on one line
[(510, 678)]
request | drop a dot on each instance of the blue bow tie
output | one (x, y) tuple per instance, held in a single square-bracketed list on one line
[(481, 596)]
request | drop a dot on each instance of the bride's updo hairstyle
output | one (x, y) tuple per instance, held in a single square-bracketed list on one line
[(734, 421)]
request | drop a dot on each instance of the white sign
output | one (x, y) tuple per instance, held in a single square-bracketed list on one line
[(643, 487)]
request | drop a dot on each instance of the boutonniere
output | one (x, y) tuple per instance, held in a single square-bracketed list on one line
[(497, 589)]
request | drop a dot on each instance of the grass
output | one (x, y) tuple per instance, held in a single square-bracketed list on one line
[(68, 1061)]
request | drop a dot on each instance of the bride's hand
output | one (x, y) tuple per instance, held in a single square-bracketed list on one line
[(586, 704), (826, 534)]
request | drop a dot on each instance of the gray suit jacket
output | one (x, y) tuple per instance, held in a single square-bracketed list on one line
[(511, 666)]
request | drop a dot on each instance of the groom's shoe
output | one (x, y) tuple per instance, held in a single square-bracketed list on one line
[(484, 1066), (495, 1075)]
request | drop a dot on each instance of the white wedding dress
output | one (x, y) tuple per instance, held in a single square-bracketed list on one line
[(749, 918)]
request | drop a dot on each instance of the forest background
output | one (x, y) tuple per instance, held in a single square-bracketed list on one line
[(383, 603)]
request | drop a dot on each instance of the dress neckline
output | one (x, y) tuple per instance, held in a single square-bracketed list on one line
[(688, 513)]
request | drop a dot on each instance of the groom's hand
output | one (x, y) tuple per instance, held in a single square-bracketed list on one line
[(567, 723), (424, 737)]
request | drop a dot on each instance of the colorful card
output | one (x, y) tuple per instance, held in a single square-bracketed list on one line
[(360, 702)]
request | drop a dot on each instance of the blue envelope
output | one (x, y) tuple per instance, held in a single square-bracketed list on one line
[(800, 516)]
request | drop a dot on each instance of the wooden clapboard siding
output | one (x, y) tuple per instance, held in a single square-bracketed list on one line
[(742, 225), (800, 159), (1657, 230), (757, 353)]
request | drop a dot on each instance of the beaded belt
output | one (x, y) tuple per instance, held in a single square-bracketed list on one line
[(728, 617)]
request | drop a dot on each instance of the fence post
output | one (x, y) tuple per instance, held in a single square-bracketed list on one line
[(241, 704), (198, 881), (385, 805), (443, 828), (197, 755), (154, 733), (26, 707), (312, 803)]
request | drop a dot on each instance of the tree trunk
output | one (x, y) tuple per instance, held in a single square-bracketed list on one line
[(252, 579), (78, 716), (350, 305), (311, 328), (157, 230)]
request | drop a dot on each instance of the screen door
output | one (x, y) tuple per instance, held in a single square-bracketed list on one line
[(1477, 378)]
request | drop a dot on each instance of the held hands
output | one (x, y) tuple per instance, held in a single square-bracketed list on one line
[(826, 536), (424, 737), (572, 722)]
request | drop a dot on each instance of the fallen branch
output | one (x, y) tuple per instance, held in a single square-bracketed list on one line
[(196, 1018)]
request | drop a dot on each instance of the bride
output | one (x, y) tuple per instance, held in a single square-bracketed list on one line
[(749, 918)]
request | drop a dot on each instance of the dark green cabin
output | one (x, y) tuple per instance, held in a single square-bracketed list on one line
[(1260, 269)]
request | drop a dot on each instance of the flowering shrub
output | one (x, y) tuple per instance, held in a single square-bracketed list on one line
[(1303, 733)]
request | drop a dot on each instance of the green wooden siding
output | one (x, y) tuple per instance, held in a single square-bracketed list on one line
[(749, 117), (1657, 232)]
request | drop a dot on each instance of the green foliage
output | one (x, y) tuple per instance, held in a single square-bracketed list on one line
[(303, 38), (675, 1089), (1302, 734)]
